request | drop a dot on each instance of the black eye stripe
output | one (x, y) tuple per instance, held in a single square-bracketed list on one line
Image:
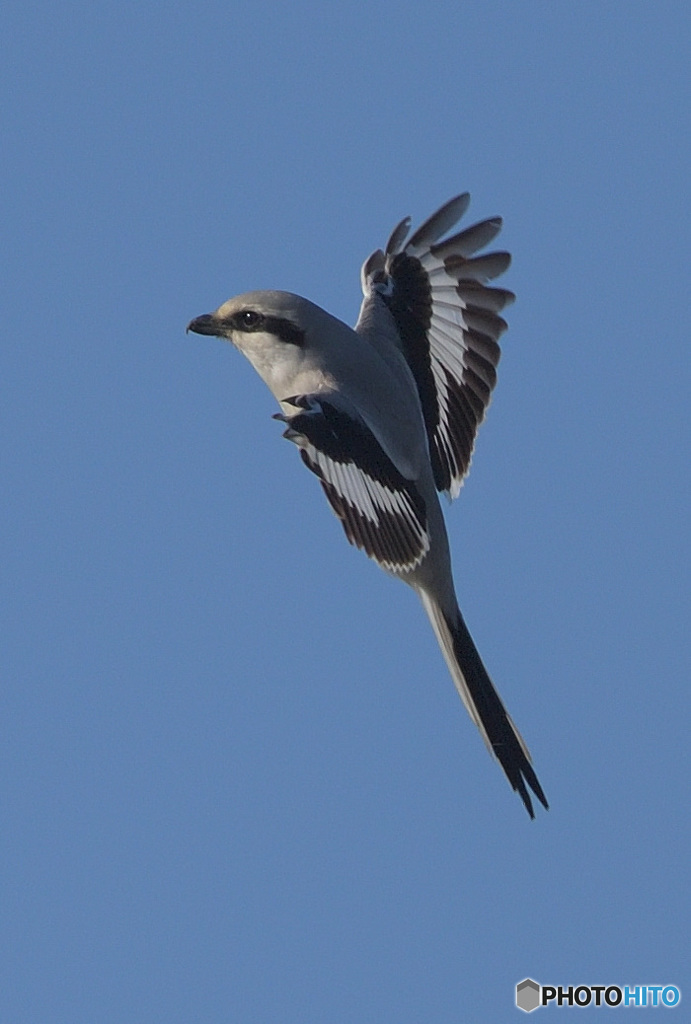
[(286, 330), (246, 320), (249, 320)]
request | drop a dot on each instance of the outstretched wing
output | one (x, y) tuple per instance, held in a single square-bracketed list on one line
[(448, 324), (381, 511)]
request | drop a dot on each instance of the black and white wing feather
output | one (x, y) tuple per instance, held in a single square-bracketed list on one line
[(382, 512), (449, 326)]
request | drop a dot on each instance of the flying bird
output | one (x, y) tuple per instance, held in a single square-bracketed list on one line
[(385, 415)]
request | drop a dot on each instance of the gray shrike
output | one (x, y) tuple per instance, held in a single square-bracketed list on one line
[(385, 415)]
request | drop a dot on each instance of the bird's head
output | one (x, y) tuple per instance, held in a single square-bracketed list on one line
[(273, 313), (280, 333)]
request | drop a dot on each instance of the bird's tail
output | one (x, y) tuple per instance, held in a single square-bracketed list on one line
[(484, 704)]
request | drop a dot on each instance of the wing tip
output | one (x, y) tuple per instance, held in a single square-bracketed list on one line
[(441, 221)]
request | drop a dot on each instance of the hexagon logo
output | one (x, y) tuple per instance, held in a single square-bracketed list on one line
[(527, 995)]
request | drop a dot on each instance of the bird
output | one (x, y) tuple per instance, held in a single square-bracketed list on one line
[(385, 415)]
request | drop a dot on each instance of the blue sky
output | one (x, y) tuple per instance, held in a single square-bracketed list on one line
[(236, 781)]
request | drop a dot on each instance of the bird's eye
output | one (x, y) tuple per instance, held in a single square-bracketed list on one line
[(249, 319)]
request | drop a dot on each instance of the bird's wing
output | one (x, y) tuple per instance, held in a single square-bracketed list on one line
[(382, 512), (448, 324)]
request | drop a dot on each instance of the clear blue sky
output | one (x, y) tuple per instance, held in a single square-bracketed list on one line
[(236, 782)]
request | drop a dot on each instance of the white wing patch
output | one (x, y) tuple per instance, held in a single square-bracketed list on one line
[(381, 511)]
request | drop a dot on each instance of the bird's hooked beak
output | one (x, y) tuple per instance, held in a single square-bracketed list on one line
[(205, 324)]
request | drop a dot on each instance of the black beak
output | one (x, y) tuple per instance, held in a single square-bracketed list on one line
[(206, 324)]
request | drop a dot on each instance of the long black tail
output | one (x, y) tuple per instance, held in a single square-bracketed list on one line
[(483, 702)]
